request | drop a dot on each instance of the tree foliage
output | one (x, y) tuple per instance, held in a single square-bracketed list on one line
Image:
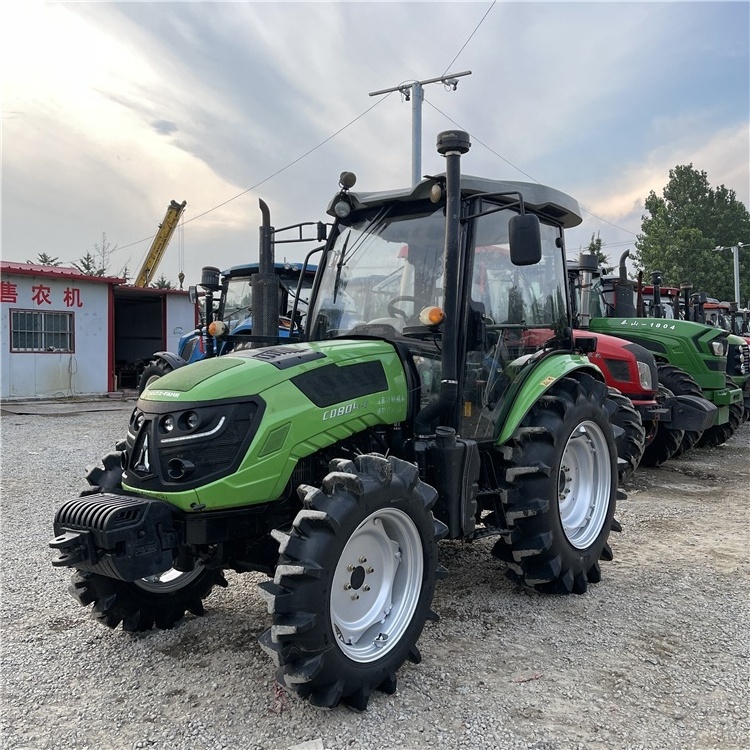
[(96, 263), (684, 226), (88, 266), (45, 260), (595, 247), (163, 283)]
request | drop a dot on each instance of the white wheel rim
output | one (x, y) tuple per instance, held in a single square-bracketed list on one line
[(376, 585), (170, 580), (584, 484)]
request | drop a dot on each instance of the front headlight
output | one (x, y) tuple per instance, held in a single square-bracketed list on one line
[(719, 347), (644, 376)]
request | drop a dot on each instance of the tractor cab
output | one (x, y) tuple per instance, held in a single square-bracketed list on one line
[(502, 301)]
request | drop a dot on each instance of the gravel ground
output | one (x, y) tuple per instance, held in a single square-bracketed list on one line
[(655, 656)]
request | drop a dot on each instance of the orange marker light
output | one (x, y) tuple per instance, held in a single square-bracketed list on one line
[(431, 316), (217, 328)]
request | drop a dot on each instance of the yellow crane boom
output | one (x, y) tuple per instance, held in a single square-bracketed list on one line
[(159, 244)]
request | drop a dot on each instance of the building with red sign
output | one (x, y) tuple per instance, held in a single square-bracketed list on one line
[(67, 334)]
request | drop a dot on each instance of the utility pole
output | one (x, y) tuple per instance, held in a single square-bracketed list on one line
[(736, 258), (413, 92)]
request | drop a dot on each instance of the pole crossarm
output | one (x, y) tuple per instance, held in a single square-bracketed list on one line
[(413, 92), (403, 87)]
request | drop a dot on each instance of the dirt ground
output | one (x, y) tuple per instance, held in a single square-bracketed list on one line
[(654, 657)]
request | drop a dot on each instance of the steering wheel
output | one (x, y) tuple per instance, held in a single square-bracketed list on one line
[(396, 312)]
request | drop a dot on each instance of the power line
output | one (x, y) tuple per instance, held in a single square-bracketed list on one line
[(315, 148), (271, 176), (450, 65), (533, 179)]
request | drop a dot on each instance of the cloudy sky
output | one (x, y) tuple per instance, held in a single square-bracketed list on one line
[(112, 109)]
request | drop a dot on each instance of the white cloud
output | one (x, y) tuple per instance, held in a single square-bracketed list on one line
[(717, 156), (113, 109)]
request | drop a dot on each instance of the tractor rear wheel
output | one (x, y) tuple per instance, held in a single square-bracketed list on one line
[(666, 440), (681, 384), (354, 583), (561, 491)]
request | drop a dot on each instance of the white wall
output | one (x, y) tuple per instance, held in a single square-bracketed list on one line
[(180, 319), (50, 374)]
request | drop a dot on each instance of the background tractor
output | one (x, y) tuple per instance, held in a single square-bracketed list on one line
[(632, 369), (226, 315), (691, 357), (459, 407)]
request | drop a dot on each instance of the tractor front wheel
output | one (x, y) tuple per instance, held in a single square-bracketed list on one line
[(561, 491), (681, 384), (720, 433), (354, 582), (666, 440), (160, 600), (632, 442)]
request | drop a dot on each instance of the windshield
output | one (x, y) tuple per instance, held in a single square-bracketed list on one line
[(238, 296), (381, 270)]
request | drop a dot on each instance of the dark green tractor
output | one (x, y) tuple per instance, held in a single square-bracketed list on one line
[(457, 407)]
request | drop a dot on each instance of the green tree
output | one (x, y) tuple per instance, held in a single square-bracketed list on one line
[(685, 225), (88, 266), (96, 263), (595, 246), (163, 283), (45, 260)]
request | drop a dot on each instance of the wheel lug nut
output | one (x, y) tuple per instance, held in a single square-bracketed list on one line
[(371, 570), (355, 597), (347, 586), (363, 559), (350, 567), (365, 588)]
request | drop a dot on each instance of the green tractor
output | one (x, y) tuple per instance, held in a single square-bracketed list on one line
[(691, 356), (459, 407)]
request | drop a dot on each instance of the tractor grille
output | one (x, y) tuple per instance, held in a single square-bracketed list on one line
[(174, 449)]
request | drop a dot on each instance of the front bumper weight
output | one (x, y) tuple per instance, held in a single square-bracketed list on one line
[(118, 536)]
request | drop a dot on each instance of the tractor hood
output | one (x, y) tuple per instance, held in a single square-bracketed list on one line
[(230, 430)]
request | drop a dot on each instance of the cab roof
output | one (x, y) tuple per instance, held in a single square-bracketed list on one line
[(540, 199)]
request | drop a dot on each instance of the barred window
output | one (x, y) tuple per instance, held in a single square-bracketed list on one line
[(37, 331)]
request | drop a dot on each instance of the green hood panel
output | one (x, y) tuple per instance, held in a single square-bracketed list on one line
[(682, 343), (185, 378), (315, 395), (253, 371)]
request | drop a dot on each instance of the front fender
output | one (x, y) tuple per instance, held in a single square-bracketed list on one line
[(534, 383), (175, 361)]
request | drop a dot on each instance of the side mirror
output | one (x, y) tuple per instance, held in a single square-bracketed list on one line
[(193, 294), (525, 237)]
